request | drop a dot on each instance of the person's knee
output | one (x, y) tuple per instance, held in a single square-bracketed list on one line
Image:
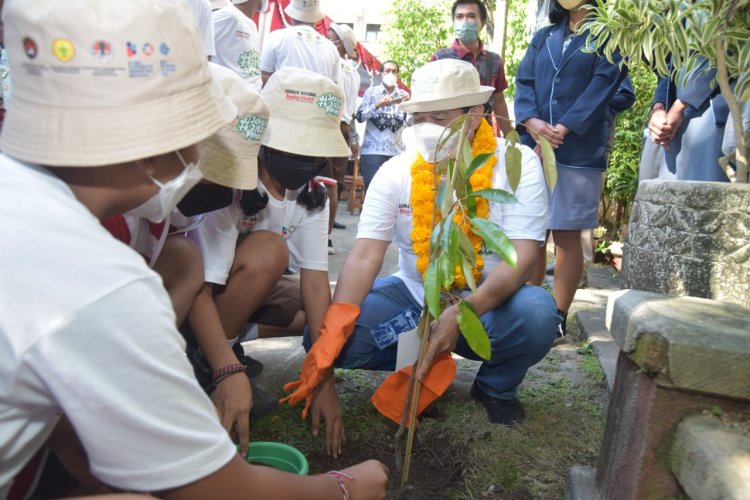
[(180, 265), (539, 315), (263, 252)]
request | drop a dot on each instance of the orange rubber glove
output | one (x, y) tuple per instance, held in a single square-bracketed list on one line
[(390, 397), (338, 325)]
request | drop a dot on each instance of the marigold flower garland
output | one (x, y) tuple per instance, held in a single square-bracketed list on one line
[(423, 181)]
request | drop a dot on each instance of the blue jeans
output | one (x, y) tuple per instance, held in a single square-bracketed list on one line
[(521, 333), (369, 165)]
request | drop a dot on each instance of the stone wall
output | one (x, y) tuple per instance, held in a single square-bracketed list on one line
[(690, 238)]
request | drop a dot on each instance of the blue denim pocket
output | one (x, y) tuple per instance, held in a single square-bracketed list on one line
[(387, 332)]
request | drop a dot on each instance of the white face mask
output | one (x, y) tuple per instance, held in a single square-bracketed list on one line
[(170, 193), (428, 136), (390, 80)]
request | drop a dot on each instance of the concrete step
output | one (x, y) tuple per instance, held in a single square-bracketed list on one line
[(711, 458), (592, 328)]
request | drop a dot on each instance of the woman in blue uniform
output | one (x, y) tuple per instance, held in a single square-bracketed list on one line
[(564, 92)]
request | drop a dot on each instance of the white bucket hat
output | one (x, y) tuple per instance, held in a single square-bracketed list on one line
[(307, 109), (307, 11), (230, 156), (100, 83), (346, 35), (446, 84)]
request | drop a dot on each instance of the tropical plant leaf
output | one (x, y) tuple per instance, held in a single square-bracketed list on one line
[(468, 275), (548, 162), (446, 270), (513, 137), (432, 290), (495, 240), (473, 331), (478, 162), (467, 249), (496, 195), (513, 159)]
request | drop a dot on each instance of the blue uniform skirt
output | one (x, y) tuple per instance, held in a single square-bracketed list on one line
[(574, 204)]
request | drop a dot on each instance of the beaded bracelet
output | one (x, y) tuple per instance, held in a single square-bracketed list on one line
[(338, 475), (227, 370)]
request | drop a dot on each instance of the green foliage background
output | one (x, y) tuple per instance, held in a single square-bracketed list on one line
[(516, 43), (416, 29), (622, 174)]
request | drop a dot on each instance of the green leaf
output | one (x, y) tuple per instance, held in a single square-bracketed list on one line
[(454, 241), (447, 272), (466, 158), (495, 240), (467, 267), (473, 330), (513, 166), (548, 162), (496, 195), (478, 162), (467, 249), (432, 290), (513, 137)]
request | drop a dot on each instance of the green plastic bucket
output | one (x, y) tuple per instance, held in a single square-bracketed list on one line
[(279, 456)]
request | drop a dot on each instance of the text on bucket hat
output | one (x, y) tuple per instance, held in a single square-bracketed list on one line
[(307, 109), (99, 83), (446, 84), (346, 35), (230, 156), (307, 11)]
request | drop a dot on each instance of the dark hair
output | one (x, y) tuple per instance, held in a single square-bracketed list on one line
[(398, 68), (557, 13), (315, 200), (253, 202), (479, 3)]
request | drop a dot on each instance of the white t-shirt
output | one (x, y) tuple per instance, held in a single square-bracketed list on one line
[(202, 11), (305, 233), (349, 84), (387, 212), (87, 329), (300, 47), (237, 44)]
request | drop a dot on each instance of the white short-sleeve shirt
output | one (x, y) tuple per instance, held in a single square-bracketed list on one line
[(349, 83), (300, 47), (387, 212), (202, 12), (237, 44), (305, 233), (88, 330)]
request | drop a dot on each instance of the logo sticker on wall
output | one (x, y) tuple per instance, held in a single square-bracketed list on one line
[(29, 46), (63, 49), (102, 51)]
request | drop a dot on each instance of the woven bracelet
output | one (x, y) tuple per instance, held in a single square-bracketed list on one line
[(338, 475), (227, 370)]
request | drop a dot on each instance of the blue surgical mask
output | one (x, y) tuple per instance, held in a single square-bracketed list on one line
[(466, 31)]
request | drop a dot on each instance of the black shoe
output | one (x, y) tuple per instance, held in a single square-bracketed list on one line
[(583, 282), (499, 411), (253, 367), (550, 270), (263, 403), (331, 250), (336, 225)]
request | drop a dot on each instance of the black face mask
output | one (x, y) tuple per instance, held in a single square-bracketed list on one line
[(293, 171), (204, 198)]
